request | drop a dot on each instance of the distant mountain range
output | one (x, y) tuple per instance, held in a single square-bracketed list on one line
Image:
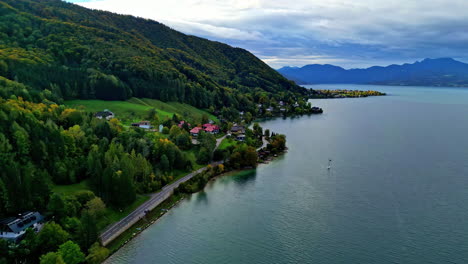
[(429, 72)]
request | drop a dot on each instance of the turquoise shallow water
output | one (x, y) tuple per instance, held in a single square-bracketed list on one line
[(397, 191)]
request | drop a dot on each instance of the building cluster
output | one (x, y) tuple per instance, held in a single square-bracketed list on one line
[(208, 128), (14, 228)]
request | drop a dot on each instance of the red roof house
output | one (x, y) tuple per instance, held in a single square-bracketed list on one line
[(195, 131), (210, 128)]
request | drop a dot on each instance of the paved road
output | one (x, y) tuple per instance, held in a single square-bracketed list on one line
[(265, 143), (118, 228), (218, 141)]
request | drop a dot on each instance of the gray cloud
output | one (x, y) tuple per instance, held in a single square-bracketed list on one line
[(351, 33)]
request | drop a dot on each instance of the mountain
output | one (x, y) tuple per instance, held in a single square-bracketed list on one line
[(80, 53), (429, 72)]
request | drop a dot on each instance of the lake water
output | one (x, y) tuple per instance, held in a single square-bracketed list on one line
[(397, 191)]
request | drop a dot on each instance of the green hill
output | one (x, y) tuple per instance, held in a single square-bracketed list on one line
[(78, 53)]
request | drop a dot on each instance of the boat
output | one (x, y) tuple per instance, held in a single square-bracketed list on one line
[(329, 164)]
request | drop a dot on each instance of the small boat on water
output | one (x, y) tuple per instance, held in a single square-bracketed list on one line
[(329, 164)]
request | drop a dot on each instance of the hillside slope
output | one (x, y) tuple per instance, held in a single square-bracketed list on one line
[(430, 72), (87, 54)]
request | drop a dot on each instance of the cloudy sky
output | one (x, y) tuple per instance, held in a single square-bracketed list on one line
[(349, 33)]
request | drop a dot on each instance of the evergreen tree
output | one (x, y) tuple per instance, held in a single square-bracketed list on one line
[(88, 231)]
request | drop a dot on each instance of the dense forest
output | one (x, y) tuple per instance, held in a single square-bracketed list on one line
[(79, 53)]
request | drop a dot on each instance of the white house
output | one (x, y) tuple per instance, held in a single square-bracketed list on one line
[(105, 114), (13, 229)]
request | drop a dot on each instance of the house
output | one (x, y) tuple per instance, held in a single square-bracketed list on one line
[(104, 114), (13, 229), (237, 129), (281, 103), (296, 104), (143, 124), (210, 128), (213, 129), (195, 131), (240, 137), (182, 123), (282, 109), (269, 109)]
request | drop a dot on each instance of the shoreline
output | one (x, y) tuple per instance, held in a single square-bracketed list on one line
[(172, 201)]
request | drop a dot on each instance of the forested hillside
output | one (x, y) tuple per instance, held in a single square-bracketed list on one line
[(79, 53)]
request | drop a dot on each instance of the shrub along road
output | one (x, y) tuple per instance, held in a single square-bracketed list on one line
[(118, 228)]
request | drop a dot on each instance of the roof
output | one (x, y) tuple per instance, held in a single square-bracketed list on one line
[(237, 128), (195, 130), (182, 123), (21, 223), (104, 113)]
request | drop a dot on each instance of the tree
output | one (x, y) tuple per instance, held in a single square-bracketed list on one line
[(183, 141), (204, 119), (97, 254), (51, 236), (57, 206), (72, 225), (52, 258), (71, 253), (248, 117), (152, 115), (207, 141), (88, 231), (251, 157), (165, 166), (204, 156), (84, 196), (174, 132), (3, 199), (96, 207), (257, 130)]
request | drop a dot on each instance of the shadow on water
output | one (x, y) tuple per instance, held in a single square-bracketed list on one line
[(240, 178), (245, 177), (201, 197)]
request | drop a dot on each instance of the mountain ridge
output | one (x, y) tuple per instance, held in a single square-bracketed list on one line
[(431, 72)]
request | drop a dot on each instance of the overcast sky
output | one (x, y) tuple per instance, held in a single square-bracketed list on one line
[(348, 33)]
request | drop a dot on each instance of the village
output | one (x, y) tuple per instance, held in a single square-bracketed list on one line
[(236, 131), (228, 136)]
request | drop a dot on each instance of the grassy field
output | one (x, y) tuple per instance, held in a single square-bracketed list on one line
[(227, 142), (136, 109), (72, 188), (111, 215)]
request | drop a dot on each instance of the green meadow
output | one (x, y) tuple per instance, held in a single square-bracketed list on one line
[(136, 109)]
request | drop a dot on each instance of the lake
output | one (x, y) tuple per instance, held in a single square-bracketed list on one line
[(397, 191)]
